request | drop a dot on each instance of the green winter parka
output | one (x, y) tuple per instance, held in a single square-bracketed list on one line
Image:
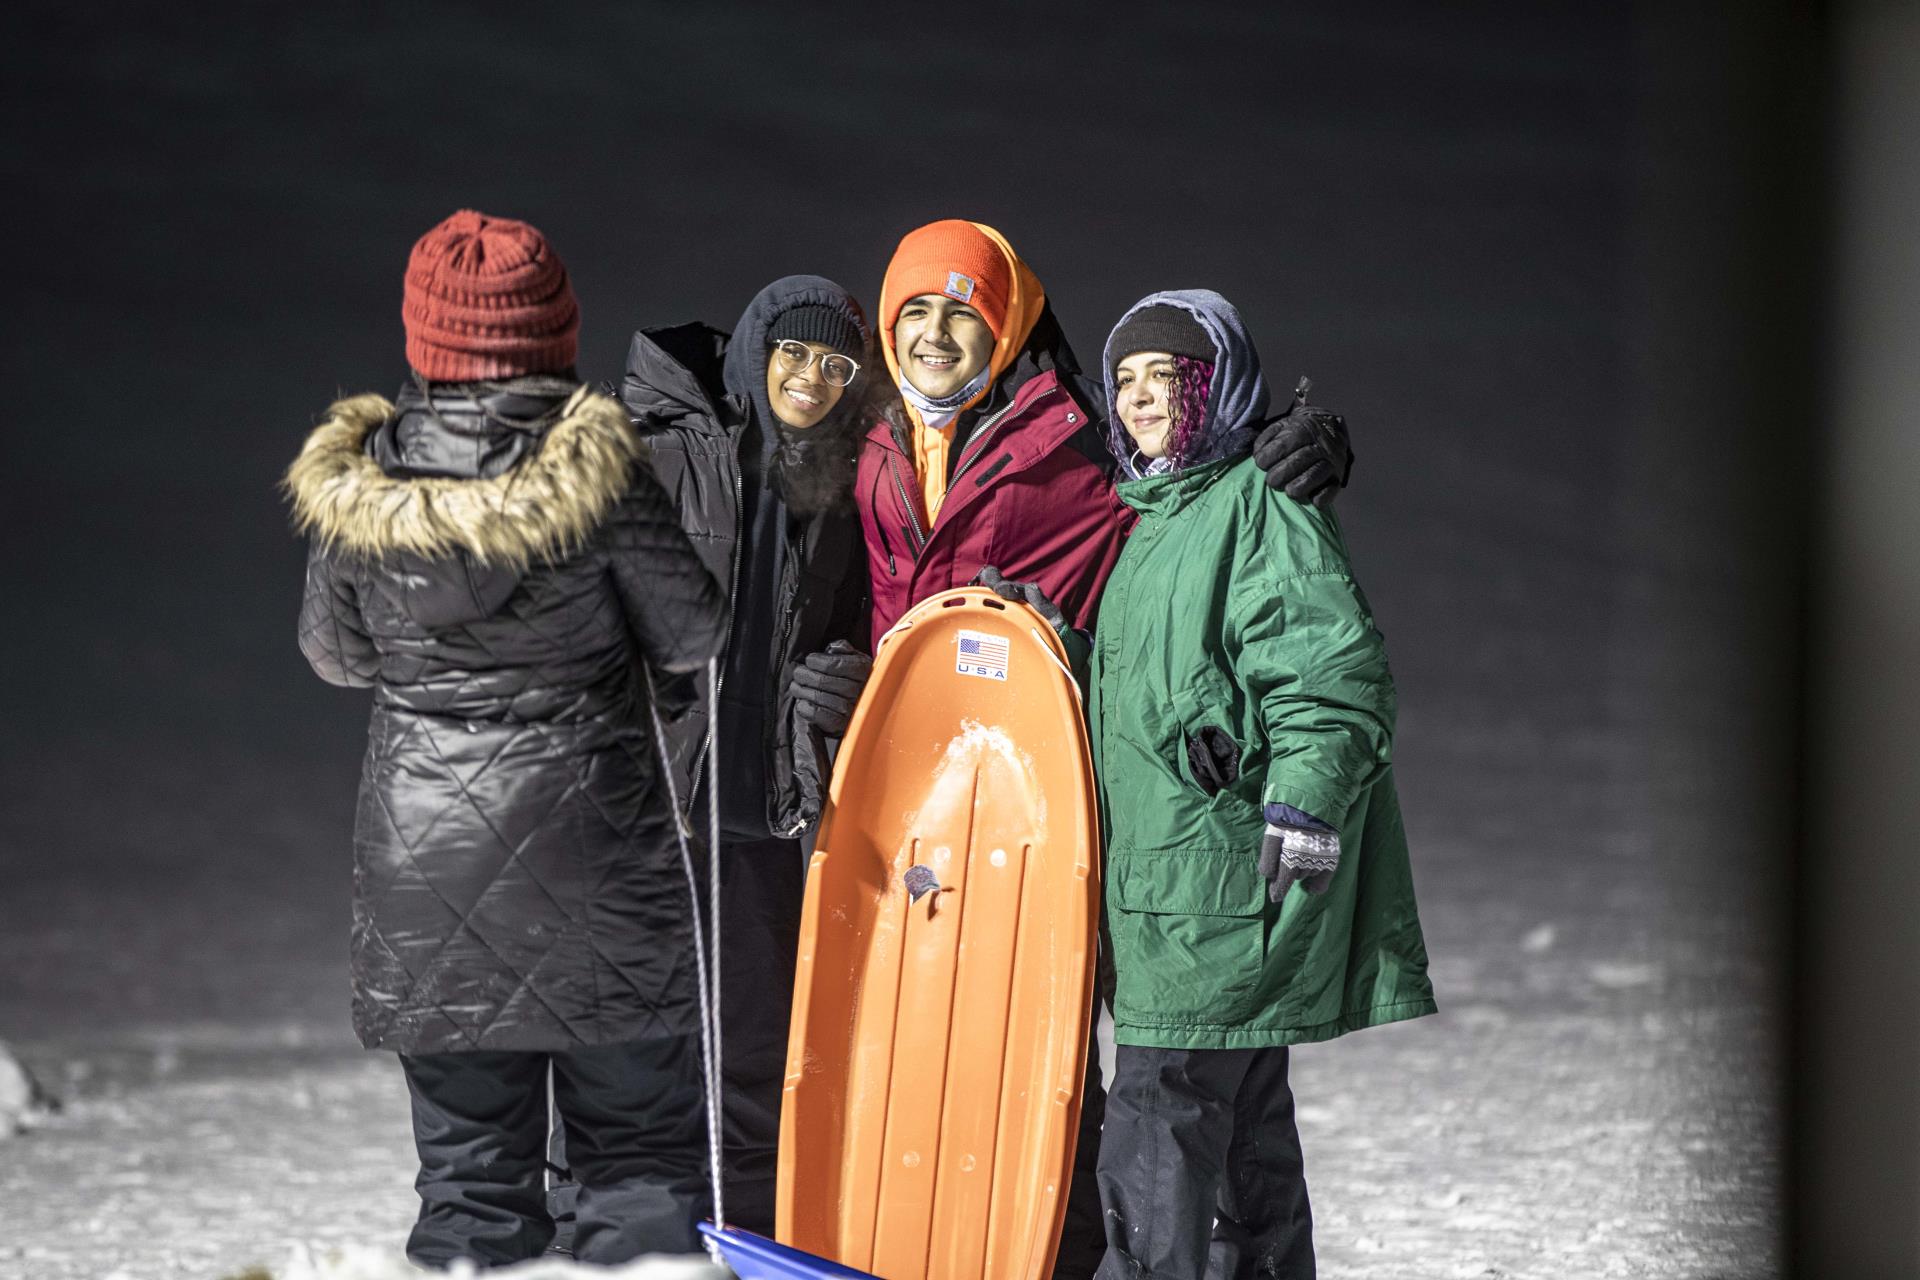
[(1233, 606)]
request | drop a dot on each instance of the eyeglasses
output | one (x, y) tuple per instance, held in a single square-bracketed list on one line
[(795, 357)]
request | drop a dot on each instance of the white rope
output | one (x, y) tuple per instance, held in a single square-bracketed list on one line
[(553, 1114), (1048, 650), (890, 632), (709, 984), (713, 914)]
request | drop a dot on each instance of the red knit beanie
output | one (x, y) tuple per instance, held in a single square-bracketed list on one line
[(952, 257), (487, 298)]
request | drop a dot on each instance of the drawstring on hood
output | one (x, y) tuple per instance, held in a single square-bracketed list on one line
[(1237, 399)]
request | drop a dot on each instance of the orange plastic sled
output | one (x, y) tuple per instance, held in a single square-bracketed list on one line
[(939, 1040)]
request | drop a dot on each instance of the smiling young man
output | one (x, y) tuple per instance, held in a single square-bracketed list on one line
[(995, 458)]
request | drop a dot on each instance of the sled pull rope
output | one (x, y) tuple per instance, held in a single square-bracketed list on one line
[(708, 983), (1047, 649), (890, 632)]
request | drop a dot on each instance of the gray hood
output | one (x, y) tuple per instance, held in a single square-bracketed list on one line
[(1237, 400)]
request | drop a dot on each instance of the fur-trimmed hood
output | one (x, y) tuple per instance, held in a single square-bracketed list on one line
[(539, 510)]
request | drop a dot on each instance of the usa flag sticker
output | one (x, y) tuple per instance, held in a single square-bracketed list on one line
[(982, 654)]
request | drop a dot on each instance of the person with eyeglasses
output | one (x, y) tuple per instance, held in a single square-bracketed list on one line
[(754, 435)]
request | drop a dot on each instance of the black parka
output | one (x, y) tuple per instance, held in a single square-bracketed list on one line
[(492, 568), (697, 396)]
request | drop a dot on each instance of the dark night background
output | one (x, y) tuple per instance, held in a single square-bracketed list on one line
[(1567, 270)]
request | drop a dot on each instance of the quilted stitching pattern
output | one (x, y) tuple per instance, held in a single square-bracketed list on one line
[(517, 883)]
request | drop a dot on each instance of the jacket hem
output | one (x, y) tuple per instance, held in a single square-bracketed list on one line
[(1176, 1036)]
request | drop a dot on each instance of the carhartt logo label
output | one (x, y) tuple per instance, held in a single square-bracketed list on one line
[(959, 286)]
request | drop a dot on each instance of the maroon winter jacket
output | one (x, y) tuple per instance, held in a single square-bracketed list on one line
[(1026, 497)]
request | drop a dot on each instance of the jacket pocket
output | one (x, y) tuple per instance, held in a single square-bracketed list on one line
[(1207, 751), (1189, 936)]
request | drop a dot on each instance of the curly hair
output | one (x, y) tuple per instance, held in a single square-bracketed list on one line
[(1187, 405)]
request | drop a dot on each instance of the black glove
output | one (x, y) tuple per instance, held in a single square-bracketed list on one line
[(1076, 643), (826, 686), (1214, 758), (1305, 452), (1298, 854), (1025, 593)]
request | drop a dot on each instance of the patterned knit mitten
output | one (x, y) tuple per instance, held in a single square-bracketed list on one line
[(1290, 854)]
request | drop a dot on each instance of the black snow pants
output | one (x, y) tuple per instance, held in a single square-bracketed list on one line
[(1200, 1168), (635, 1137), (762, 887)]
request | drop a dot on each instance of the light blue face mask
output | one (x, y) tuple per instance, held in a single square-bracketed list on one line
[(938, 413)]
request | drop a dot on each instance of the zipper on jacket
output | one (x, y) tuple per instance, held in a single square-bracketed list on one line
[(733, 596), (978, 445), (880, 527), (794, 558), (915, 535)]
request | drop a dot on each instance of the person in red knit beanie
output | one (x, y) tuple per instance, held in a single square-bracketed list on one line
[(493, 556), (488, 298)]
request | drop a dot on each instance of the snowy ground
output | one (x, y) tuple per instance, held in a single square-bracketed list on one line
[(1605, 1140), (1595, 1099)]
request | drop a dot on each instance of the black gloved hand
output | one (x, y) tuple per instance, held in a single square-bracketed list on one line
[(1305, 452), (1076, 642), (1026, 593), (827, 685), (1290, 855)]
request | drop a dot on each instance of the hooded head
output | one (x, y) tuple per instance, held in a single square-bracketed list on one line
[(956, 308), (825, 319), (1214, 418)]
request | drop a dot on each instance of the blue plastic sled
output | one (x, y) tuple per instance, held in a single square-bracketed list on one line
[(755, 1257)]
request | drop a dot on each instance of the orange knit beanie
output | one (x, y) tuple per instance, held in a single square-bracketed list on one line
[(954, 258)]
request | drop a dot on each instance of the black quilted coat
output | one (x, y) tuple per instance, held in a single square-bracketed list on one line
[(689, 389), (492, 568)]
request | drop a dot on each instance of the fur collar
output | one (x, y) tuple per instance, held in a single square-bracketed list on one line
[(541, 510)]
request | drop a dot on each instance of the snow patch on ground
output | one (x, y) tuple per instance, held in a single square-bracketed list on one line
[(23, 1103)]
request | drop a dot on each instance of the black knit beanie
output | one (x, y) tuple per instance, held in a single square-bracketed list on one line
[(1161, 328), (814, 322)]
